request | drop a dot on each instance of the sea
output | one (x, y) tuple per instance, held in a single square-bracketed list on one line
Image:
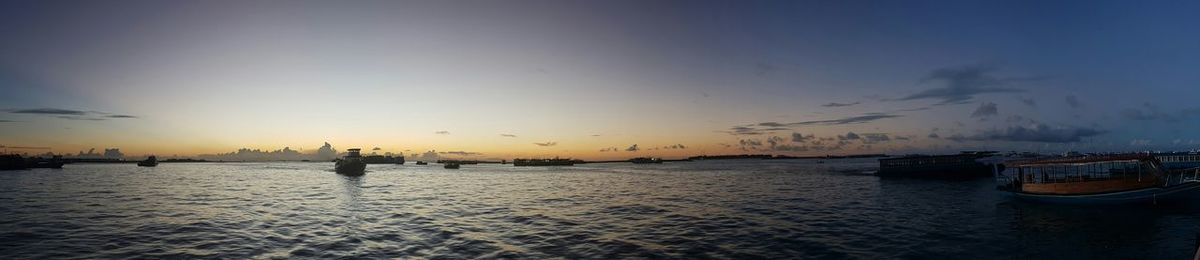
[(723, 209)]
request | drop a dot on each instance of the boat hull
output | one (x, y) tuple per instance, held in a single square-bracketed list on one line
[(350, 168), (1145, 195)]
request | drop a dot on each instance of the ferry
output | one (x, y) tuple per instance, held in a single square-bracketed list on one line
[(641, 160), (352, 164), (55, 162), (149, 162), (1104, 179), (1179, 160), (381, 159), (964, 165), (543, 162)]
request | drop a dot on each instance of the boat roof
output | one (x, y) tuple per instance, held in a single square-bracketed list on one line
[(922, 156), (1084, 159)]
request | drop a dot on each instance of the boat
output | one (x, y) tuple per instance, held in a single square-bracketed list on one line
[(422, 163), (55, 162), (149, 162), (352, 164), (1179, 160), (1103, 179), (641, 160), (452, 165), (964, 165), (543, 162), (12, 162), (381, 159)]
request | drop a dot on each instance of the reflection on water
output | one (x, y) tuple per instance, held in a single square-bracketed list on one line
[(728, 209)]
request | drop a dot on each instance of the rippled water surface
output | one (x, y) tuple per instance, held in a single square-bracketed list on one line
[(721, 209)]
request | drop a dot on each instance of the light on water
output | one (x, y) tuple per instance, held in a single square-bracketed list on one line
[(725, 209)]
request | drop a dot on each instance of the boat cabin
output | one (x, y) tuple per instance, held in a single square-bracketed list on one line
[(1084, 175)]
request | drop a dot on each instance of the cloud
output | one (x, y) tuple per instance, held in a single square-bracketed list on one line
[(632, 148), (442, 132), (461, 153), (71, 114), (609, 149), (800, 138), (508, 135), (50, 111), (933, 136), (835, 104), (1150, 112), (848, 136), (546, 144), (376, 149), (962, 84), (772, 124), (1140, 142), (865, 118), (1073, 102), (1037, 132), (674, 147), (871, 138), (1029, 102), (595, 135), (986, 109), (903, 138), (6, 121)]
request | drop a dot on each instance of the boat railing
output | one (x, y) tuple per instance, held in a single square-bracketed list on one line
[(1181, 176)]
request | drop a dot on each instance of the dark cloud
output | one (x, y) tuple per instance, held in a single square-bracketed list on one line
[(6, 121), (461, 153), (835, 104), (986, 109), (546, 144), (632, 148), (71, 114), (865, 118), (763, 68), (1073, 102), (442, 132), (772, 124), (849, 136), (674, 147), (800, 138), (508, 135), (903, 138), (50, 111), (376, 149), (609, 149), (872, 138), (595, 135), (933, 136), (1040, 133), (963, 83)]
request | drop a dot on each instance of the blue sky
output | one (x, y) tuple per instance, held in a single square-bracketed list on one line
[(502, 77)]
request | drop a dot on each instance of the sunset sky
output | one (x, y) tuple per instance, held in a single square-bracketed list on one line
[(590, 79)]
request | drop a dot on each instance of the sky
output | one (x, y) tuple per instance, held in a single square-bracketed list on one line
[(600, 79)]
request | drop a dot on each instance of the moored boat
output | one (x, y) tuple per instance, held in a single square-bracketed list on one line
[(149, 162), (352, 164), (1108, 179), (965, 165), (641, 160), (12, 162), (451, 165), (543, 162), (422, 163), (55, 162)]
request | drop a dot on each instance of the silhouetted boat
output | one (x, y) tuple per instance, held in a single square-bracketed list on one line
[(381, 159), (352, 164), (543, 162), (641, 160), (55, 162), (422, 163), (452, 165), (957, 166), (12, 162), (149, 162), (1107, 179)]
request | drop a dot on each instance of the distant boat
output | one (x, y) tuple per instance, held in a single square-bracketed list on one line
[(641, 160), (543, 162), (452, 165), (1109, 179), (55, 162), (422, 163), (381, 159), (149, 162), (12, 162), (957, 166), (352, 164)]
